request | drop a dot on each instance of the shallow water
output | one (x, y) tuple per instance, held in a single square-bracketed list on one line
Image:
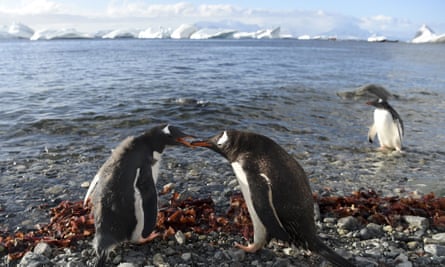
[(66, 104)]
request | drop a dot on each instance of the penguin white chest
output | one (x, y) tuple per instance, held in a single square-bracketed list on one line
[(155, 167), (385, 127)]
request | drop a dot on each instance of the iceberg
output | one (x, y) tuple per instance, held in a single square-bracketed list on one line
[(426, 35), (269, 34), (19, 30), (120, 33), (375, 38), (183, 32), (208, 33), (260, 34), (304, 37), (151, 33), (47, 34)]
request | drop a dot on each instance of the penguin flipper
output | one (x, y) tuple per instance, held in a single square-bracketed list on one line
[(91, 188), (371, 133)]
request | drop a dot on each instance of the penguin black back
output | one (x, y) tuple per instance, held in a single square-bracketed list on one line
[(276, 190)]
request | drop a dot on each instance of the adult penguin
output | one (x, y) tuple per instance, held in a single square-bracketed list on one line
[(123, 192), (387, 125), (276, 191)]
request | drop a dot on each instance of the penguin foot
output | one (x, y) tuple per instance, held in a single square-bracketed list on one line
[(252, 248), (149, 238)]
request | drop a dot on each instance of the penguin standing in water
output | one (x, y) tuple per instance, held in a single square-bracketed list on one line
[(123, 192), (387, 125), (276, 190)]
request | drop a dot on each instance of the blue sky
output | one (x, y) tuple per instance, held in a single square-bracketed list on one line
[(396, 18)]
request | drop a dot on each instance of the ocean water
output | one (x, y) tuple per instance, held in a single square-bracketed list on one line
[(65, 104)]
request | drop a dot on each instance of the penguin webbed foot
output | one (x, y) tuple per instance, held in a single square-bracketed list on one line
[(147, 239), (251, 248)]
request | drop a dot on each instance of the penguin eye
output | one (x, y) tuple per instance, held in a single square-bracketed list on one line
[(223, 139)]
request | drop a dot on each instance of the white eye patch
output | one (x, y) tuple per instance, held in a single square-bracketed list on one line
[(166, 130), (223, 139)]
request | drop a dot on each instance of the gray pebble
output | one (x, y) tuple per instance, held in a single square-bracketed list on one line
[(186, 256), (127, 264), (349, 223), (32, 259), (416, 222), (371, 230), (435, 250), (180, 237), (43, 248)]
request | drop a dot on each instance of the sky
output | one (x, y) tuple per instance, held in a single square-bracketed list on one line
[(391, 18)]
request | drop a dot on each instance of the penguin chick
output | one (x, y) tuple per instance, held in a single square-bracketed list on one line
[(387, 125), (276, 190), (123, 192)]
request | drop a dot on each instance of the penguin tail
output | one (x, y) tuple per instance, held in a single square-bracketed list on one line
[(103, 244), (322, 249)]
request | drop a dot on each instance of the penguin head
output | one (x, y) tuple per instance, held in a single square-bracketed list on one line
[(378, 103), (170, 135), (230, 144)]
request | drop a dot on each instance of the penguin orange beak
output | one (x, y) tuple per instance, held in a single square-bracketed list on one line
[(201, 143), (183, 141)]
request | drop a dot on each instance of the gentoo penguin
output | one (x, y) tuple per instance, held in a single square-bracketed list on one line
[(123, 192), (387, 125), (276, 191)]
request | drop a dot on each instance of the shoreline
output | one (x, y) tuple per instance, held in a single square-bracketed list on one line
[(343, 223)]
